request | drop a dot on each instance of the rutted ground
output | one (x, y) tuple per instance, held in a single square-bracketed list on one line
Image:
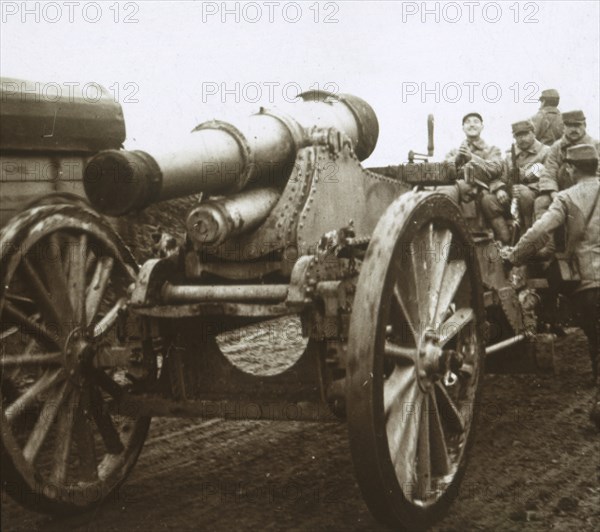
[(534, 466)]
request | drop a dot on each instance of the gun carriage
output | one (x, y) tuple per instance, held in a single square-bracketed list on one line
[(393, 279)]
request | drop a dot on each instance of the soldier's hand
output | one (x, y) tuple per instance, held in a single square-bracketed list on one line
[(464, 153), (506, 253), (518, 191), (553, 195), (503, 197)]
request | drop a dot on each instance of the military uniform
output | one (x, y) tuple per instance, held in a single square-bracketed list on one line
[(548, 122), (548, 125), (579, 209), (571, 207), (485, 156), (489, 158), (525, 159), (555, 177)]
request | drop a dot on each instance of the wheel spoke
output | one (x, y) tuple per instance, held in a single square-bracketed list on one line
[(68, 251), (428, 266), (420, 280), (29, 347), (78, 259), (423, 453), (402, 355), (18, 299), (37, 330), (454, 324), (406, 295), (396, 386), (106, 427), (96, 289), (448, 410), (111, 316), (64, 437), (89, 262), (56, 280), (45, 382), (453, 275), (8, 332), (438, 244), (44, 422), (403, 435), (41, 359), (440, 461), (106, 383), (84, 439), (43, 299)]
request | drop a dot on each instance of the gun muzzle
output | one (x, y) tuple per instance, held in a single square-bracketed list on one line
[(220, 158)]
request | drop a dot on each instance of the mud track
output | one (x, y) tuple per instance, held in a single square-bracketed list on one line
[(534, 466)]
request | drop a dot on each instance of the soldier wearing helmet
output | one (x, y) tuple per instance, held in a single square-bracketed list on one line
[(578, 209), (547, 121)]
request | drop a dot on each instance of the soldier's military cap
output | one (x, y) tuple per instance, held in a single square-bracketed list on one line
[(521, 126), (581, 152), (573, 117), (477, 115), (549, 93)]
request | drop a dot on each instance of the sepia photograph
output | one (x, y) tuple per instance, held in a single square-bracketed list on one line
[(299, 265)]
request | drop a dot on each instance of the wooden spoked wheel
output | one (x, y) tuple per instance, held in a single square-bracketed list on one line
[(415, 359), (66, 346)]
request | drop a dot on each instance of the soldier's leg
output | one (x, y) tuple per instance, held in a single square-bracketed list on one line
[(526, 206), (588, 318), (540, 206), (493, 212)]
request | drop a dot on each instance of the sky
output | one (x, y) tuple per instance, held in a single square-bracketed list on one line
[(172, 65)]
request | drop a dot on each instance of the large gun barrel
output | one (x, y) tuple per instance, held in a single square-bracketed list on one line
[(220, 158)]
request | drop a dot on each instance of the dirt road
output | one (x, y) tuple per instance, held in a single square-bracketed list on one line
[(535, 466)]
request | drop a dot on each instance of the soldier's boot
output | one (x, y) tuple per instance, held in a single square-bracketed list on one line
[(501, 231)]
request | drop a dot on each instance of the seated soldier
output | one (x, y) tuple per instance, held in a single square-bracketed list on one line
[(522, 167), (474, 152)]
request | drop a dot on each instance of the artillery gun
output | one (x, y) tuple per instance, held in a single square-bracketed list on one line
[(396, 284)]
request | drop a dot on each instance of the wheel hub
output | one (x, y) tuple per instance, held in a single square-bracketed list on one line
[(78, 351), (433, 362)]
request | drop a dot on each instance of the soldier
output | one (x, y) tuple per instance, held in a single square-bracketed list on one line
[(547, 121), (524, 154), (579, 210), (555, 177), (475, 152)]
